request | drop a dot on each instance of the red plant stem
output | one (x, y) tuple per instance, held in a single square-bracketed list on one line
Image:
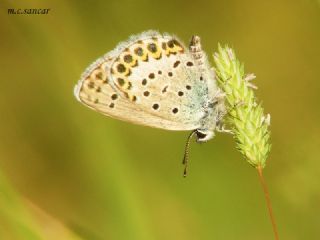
[(267, 197)]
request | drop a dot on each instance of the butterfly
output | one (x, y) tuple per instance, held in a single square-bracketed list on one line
[(154, 80)]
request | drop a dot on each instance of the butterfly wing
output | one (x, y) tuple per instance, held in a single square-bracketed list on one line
[(151, 80)]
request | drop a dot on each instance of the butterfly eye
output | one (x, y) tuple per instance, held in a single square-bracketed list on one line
[(200, 135)]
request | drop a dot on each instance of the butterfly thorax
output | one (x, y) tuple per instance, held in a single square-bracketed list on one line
[(213, 108), (214, 113)]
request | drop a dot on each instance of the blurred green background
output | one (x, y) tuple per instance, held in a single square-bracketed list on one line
[(70, 173)]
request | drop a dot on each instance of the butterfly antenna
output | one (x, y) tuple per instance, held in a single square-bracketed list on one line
[(186, 153)]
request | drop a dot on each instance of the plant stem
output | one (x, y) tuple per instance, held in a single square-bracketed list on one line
[(267, 197)]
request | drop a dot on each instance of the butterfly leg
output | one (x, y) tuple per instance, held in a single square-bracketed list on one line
[(220, 128), (247, 79)]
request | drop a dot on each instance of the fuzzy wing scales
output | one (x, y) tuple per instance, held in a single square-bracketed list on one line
[(152, 80)]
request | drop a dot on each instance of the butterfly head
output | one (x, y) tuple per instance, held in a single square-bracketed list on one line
[(204, 135)]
